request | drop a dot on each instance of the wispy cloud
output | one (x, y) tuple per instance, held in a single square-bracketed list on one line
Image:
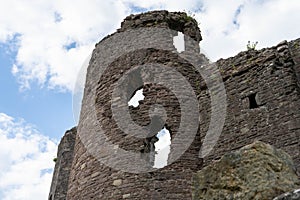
[(228, 25), (25, 160), (52, 38)]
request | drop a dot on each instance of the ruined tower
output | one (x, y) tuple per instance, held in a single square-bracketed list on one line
[(105, 182), (262, 103)]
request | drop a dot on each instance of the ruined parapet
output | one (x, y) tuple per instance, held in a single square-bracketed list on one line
[(263, 100), (177, 21), (63, 163)]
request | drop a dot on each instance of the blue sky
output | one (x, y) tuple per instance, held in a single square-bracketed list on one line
[(37, 105), (43, 45)]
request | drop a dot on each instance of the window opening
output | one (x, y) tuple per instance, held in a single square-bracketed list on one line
[(138, 96), (162, 148), (252, 101)]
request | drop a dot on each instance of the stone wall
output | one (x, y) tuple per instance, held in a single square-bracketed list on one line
[(89, 178), (60, 180), (295, 52), (263, 99)]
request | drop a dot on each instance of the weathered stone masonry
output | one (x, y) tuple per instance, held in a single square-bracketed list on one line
[(60, 180), (263, 100), (172, 182), (263, 97)]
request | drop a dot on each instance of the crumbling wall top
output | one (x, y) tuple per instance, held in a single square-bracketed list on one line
[(178, 21)]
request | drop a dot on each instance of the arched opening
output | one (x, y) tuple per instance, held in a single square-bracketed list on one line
[(162, 148)]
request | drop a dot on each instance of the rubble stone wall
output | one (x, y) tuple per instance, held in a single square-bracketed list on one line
[(60, 180), (263, 101)]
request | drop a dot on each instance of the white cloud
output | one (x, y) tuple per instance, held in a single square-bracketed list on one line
[(43, 30), (25, 161), (53, 38), (171, 5), (268, 22)]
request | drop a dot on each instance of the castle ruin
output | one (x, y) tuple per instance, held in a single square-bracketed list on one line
[(262, 97)]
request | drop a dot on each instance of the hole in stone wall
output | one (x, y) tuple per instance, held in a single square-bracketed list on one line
[(252, 101), (137, 96), (50, 198), (178, 42), (162, 148)]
